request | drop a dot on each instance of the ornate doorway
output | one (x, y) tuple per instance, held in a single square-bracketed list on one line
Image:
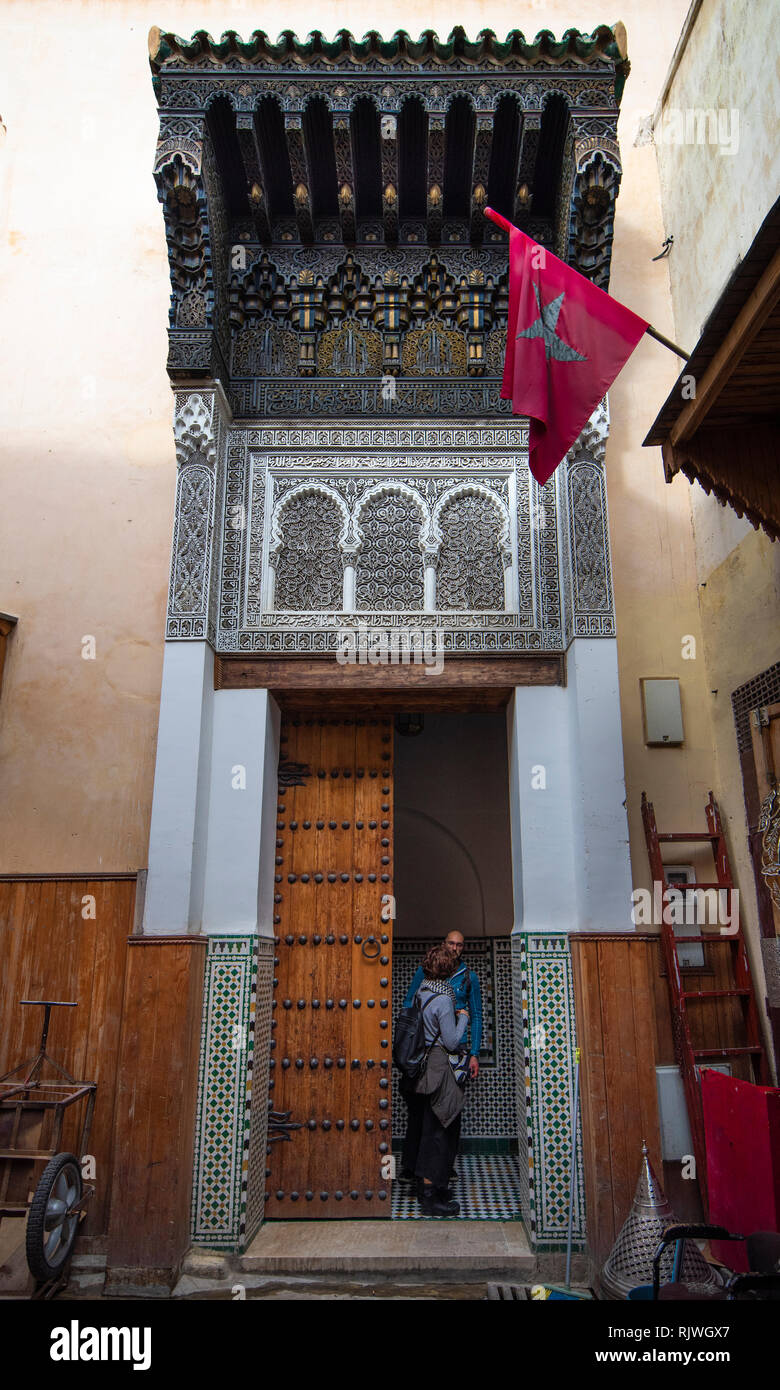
[(330, 1070)]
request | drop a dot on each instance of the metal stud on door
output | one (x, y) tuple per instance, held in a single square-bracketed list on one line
[(330, 1051)]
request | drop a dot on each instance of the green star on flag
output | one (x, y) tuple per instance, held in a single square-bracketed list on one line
[(544, 327)]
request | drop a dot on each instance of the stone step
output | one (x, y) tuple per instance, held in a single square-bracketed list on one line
[(450, 1249)]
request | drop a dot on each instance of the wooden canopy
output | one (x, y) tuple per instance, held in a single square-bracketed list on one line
[(719, 425)]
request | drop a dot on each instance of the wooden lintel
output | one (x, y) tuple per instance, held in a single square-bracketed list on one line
[(465, 684), (749, 321)]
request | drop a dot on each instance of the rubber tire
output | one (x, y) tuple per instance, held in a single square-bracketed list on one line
[(40, 1267)]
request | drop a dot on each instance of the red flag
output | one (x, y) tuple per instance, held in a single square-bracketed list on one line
[(566, 342)]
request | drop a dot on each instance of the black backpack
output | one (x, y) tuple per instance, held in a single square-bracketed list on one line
[(409, 1051)]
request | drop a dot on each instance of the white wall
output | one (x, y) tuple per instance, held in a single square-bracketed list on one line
[(570, 851)]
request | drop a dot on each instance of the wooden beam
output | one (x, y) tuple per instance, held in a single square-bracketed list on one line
[(752, 316), (435, 177), (468, 684), (257, 186), (480, 168), (391, 192), (301, 183)]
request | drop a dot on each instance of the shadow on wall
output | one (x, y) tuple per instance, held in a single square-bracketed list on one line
[(452, 842), (446, 892)]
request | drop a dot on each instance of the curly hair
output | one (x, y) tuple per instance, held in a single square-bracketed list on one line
[(440, 962)]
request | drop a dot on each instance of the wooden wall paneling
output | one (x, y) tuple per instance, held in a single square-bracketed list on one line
[(617, 1020), (640, 965), (662, 1015), (101, 1051), (616, 1027), (155, 1110), (51, 951), (593, 1091)]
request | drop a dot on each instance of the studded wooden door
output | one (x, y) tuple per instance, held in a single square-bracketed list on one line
[(330, 1128)]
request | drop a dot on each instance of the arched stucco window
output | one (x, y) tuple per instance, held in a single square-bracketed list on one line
[(309, 571)]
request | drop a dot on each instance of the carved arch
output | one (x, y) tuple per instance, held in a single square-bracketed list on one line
[(389, 562), (473, 556), (215, 94), (307, 556), (305, 490), (403, 489), (474, 490)]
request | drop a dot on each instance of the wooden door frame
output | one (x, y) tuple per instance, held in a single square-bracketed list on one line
[(467, 686)]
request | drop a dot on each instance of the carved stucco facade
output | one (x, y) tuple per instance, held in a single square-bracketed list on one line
[(450, 508)]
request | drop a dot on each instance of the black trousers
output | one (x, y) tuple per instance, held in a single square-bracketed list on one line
[(429, 1149)]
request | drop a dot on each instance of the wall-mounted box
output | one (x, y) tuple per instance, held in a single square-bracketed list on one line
[(662, 710)]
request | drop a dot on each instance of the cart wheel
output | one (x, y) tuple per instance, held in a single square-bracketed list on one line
[(52, 1223)]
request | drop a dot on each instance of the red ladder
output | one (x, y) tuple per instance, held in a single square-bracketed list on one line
[(689, 1057)]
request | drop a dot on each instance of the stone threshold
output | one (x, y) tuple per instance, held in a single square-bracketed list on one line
[(406, 1250)]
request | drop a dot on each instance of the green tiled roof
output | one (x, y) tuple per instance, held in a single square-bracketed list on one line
[(575, 47)]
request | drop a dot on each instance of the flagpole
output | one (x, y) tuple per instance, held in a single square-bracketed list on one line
[(651, 332), (659, 338)]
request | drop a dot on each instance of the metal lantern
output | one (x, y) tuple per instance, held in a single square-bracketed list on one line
[(630, 1262)]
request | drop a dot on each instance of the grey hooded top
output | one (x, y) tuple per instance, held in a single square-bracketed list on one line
[(440, 1020)]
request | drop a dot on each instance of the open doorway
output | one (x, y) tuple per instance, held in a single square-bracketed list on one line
[(453, 871)]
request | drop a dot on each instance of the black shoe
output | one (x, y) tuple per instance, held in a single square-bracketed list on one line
[(421, 1188), (407, 1175), (433, 1202)]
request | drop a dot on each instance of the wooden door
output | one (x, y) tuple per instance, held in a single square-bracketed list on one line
[(330, 1127)]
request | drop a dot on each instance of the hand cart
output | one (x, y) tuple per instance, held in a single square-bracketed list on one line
[(32, 1113)]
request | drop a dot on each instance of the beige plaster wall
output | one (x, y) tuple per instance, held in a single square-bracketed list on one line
[(715, 196), (713, 204), (88, 459)]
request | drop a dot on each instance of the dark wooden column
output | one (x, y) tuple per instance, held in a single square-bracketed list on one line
[(149, 1227)]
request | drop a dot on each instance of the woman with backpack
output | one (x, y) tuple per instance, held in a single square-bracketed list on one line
[(436, 1092)]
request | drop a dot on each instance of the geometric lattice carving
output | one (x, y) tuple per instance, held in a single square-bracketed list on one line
[(591, 579), (470, 572), (309, 573), (591, 587), (390, 567), (194, 507)]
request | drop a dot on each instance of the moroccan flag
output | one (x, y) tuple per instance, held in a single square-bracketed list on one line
[(566, 342)]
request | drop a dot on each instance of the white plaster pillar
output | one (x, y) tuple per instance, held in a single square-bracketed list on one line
[(540, 809), (349, 588), (239, 860), (599, 810), (178, 825), (429, 600), (570, 859), (509, 588), (211, 844), (270, 588)]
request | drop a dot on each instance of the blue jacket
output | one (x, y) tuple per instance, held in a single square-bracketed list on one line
[(467, 996)]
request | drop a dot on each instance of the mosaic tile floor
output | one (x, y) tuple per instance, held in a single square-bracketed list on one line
[(487, 1187)]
